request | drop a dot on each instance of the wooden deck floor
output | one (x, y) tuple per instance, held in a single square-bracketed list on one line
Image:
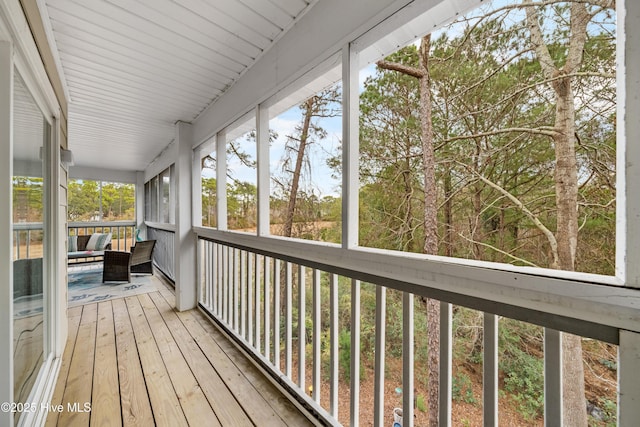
[(137, 362)]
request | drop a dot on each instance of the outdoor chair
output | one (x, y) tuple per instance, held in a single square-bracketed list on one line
[(118, 265)]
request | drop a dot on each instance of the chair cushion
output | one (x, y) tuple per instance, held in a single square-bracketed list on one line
[(84, 254), (73, 244), (98, 241)]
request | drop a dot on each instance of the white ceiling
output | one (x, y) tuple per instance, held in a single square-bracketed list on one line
[(132, 69)]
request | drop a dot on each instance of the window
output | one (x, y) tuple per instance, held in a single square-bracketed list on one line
[(477, 166), (305, 157), (159, 198), (100, 201)]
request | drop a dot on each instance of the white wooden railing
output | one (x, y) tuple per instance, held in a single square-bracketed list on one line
[(122, 232), (246, 284), (23, 235), (164, 252)]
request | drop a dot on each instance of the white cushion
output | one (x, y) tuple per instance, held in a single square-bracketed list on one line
[(98, 241)]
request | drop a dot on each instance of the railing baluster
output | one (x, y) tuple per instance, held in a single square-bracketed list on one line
[(355, 352), (288, 321), (219, 278), (407, 359), (249, 296), (317, 338), (227, 282), (490, 371), (302, 332), (257, 279), (552, 376), (18, 245), (29, 243), (334, 347), (243, 293), (211, 273), (381, 311), (276, 314), (267, 305), (446, 354), (236, 288)]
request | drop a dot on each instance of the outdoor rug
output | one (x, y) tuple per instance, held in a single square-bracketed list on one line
[(85, 286)]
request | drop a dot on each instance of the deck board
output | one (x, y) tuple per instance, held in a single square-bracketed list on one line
[(73, 316), (105, 400), (139, 362), (134, 400), (164, 401), (78, 388)]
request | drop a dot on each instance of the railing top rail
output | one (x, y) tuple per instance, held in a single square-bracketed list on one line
[(161, 226), (584, 308), (82, 224), (27, 226)]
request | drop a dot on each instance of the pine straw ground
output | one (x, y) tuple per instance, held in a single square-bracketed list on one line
[(600, 379)]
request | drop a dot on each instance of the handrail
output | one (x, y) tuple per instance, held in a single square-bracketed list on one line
[(122, 232), (248, 285), (585, 308)]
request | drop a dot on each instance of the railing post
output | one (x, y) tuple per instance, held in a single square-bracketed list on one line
[(355, 352), (301, 326), (629, 379), (446, 354), (317, 337), (490, 371), (407, 359), (552, 377), (276, 313), (267, 305), (381, 311), (334, 344), (288, 321)]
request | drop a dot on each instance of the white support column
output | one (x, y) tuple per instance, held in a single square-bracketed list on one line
[(185, 243), (629, 379), (6, 233), (264, 177), (350, 147), (628, 150), (140, 205), (196, 189), (221, 180)]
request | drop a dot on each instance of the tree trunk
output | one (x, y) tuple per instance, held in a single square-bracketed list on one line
[(430, 230), (295, 180), (430, 221), (566, 181), (448, 214)]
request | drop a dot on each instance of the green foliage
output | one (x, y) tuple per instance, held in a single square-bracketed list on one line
[(523, 372), (420, 403), (461, 389), (96, 201), (609, 410), (344, 355)]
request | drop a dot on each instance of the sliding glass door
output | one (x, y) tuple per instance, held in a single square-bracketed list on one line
[(31, 136)]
